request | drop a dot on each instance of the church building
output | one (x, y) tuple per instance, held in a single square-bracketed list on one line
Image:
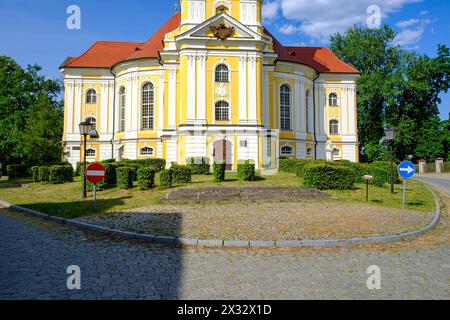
[(211, 82)]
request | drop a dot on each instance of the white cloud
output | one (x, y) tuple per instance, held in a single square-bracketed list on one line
[(289, 29), (407, 23), (322, 18), (409, 37), (270, 10), (423, 12)]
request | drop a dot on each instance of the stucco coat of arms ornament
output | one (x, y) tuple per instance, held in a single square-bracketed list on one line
[(222, 91), (222, 32)]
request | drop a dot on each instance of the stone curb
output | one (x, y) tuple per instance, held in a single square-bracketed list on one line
[(319, 243)]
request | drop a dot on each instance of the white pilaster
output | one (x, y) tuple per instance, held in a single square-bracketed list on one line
[(252, 83), (242, 89), (78, 104), (102, 123), (69, 108), (298, 114), (265, 99), (191, 88), (201, 88), (161, 105), (172, 99)]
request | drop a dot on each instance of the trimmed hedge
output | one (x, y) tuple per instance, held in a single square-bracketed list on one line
[(219, 171), (124, 177), (35, 173), (157, 164), (16, 171), (44, 174), (199, 165), (181, 174), (145, 178), (110, 180), (380, 175), (326, 177), (60, 174), (165, 178), (246, 171)]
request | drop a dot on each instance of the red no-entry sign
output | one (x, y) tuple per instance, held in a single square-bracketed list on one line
[(95, 173)]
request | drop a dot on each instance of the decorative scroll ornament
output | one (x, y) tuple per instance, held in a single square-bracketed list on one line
[(222, 32)]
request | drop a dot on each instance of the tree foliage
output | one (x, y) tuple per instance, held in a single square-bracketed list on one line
[(30, 115), (397, 88)]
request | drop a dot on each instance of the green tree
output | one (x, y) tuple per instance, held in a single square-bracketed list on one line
[(397, 88), (20, 90), (40, 141)]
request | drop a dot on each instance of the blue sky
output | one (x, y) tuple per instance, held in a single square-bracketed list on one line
[(35, 32)]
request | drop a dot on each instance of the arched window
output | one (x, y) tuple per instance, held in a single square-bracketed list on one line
[(148, 107), (147, 151), (91, 96), (92, 121), (333, 100), (122, 110), (287, 151), (222, 111), (222, 74), (336, 153), (309, 152), (334, 127), (91, 153), (307, 98), (285, 108)]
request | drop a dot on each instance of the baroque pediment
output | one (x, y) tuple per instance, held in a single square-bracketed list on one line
[(222, 27)]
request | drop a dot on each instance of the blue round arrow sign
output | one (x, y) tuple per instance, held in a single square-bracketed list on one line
[(407, 169)]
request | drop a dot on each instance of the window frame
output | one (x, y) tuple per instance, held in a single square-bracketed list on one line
[(283, 119), (290, 154), (91, 96), (222, 109), (219, 74), (152, 150), (334, 124), (333, 101), (93, 123), (148, 107), (91, 156), (122, 109)]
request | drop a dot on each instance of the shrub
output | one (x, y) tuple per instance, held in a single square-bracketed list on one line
[(361, 169), (68, 173), (165, 178), (325, 177), (246, 171), (35, 173), (124, 178), (199, 165), (386, 165), (16, 171), (146, 178), (287, 165), (300, 164), (110, 180), (219, 171), (380, 175), (181, 174), (158, 165), (44, 173), (58, 174), (80, 167)]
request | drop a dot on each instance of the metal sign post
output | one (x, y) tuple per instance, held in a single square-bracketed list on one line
[(367, 178), (95, 174), (407, 170)]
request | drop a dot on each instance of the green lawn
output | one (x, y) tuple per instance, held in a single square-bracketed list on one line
[(65, 200)]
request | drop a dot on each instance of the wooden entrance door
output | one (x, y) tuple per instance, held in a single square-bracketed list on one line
[(223, 150)]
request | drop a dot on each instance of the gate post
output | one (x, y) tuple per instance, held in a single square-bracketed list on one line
[(422, 164), (439, 165)]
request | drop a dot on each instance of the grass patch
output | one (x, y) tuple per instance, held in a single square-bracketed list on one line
[(418, 196), (65, 200)]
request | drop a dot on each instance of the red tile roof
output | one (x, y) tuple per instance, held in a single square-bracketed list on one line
[(105, 54), (155, 44), (321, 59)]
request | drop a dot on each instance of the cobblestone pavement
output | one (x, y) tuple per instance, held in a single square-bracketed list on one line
[(265, 221), (34, 255)]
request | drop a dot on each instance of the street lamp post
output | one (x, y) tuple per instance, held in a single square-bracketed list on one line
[(85, 128)]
